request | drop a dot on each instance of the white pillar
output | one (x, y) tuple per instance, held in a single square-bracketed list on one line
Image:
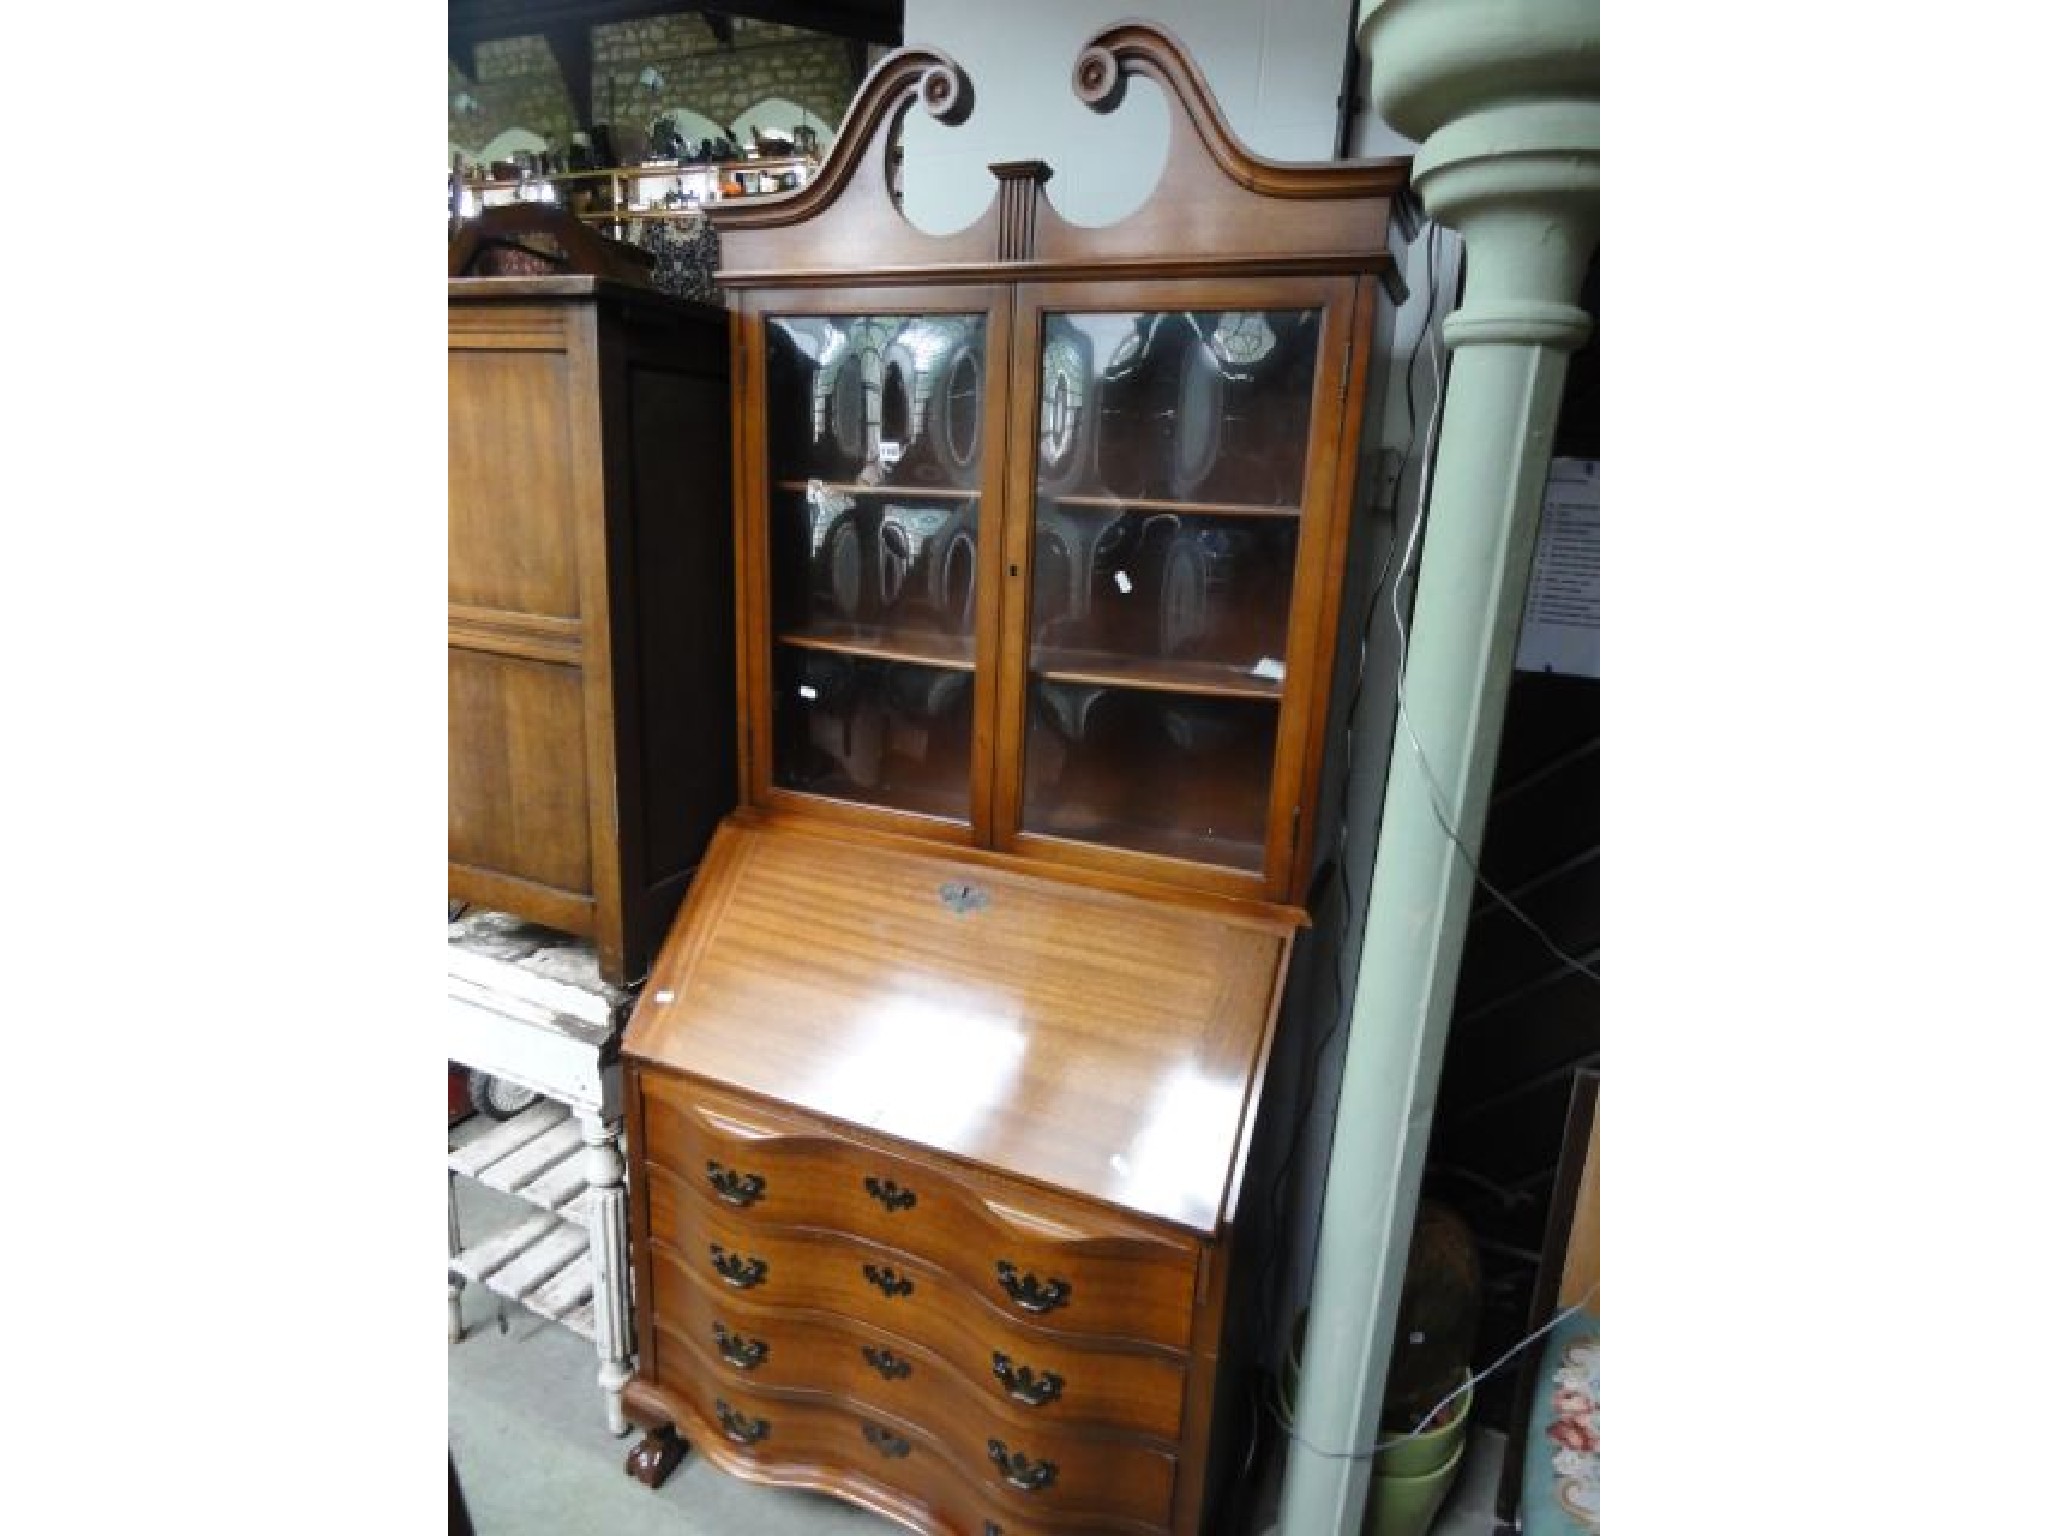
[(1503, 96)]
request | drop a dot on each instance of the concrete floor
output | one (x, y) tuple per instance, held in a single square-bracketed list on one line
[(526, 1428)]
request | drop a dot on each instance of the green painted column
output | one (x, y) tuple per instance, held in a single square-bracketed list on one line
[(1503, 97)]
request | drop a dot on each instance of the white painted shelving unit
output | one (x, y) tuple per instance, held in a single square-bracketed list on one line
[(542, 1263), (526, 1005)]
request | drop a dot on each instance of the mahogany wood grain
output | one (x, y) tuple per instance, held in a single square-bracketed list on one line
[(958, 1293), (1217, 205), (1106, 1474), (1224, 229), (897, 1467), (1137, 1392), (1084, 1040), (790, 1171), (883, 1052)]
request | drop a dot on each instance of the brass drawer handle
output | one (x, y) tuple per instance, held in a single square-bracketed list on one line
[(894, 1196), (732, 1186), (891, 1366), (888, 1444), (1028, 1293), (1020, 1471), (887, 1281), (1027, 1386), (740, 1352), (741, 1274), (738, 1427)]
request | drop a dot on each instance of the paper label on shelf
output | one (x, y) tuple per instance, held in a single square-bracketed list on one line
[(806, 691), (1273, 671), (826, 499), (1561, 617)]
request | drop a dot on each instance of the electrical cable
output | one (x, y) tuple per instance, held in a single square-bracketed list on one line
[(1282, 1187), (1468, 1385), (1436, 794), (1439, 371)]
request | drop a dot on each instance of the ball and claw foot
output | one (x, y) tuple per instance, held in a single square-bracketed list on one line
[(656, 1456)]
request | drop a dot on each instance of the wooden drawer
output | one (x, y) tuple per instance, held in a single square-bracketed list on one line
[(914, 1373), (1076, 1488), (852, 1278), (1033, 1256)]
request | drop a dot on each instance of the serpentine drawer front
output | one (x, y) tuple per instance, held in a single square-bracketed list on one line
[(969, 1274), (1032, 1257), (909, 1356)]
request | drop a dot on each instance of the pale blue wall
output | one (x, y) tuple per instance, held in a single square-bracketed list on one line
[(1276, 69)]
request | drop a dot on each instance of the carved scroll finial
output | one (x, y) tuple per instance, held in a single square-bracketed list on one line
[(947, 93), (1099, 79)]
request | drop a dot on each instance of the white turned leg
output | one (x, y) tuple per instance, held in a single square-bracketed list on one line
[(455, 1281), (610, 1275)]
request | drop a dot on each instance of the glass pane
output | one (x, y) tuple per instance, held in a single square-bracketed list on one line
[(1171, 457), (1209, 406), (1180, 774), (873, 400), (1163, 586), (875, 432), (891, 733)]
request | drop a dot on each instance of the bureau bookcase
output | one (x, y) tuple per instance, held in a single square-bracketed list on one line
[(940, 1091)]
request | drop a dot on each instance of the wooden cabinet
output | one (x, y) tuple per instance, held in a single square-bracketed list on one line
[(941, 1090), (590, 653)]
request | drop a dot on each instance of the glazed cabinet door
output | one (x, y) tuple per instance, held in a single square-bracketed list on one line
[(872, 459), (1175, 552)]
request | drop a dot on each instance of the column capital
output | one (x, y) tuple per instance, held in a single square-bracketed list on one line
[(1504, 98)]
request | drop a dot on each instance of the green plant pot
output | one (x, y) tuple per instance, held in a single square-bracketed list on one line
[(1407, 1506), (1427, 1452)]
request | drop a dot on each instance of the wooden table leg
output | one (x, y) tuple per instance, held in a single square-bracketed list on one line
[(610, 1274)]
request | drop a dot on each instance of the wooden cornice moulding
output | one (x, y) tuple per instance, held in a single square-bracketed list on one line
[(1136, 49), (1216, 201)]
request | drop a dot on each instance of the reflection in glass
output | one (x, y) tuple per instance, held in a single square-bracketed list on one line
[(1180, 774), (894, 562), (874, 400), (1163, 585), (875, 444), (1207, 406), (1166, 528), (890, 733)]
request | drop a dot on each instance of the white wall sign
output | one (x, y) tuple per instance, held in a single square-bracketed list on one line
[(1561, 619)]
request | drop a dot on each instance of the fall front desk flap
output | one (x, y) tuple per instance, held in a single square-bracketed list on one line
[(1098, 1043)]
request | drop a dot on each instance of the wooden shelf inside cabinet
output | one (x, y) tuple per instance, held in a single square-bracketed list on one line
[(1178, 508), (896, 492), (1209, 679), (954, 653)]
